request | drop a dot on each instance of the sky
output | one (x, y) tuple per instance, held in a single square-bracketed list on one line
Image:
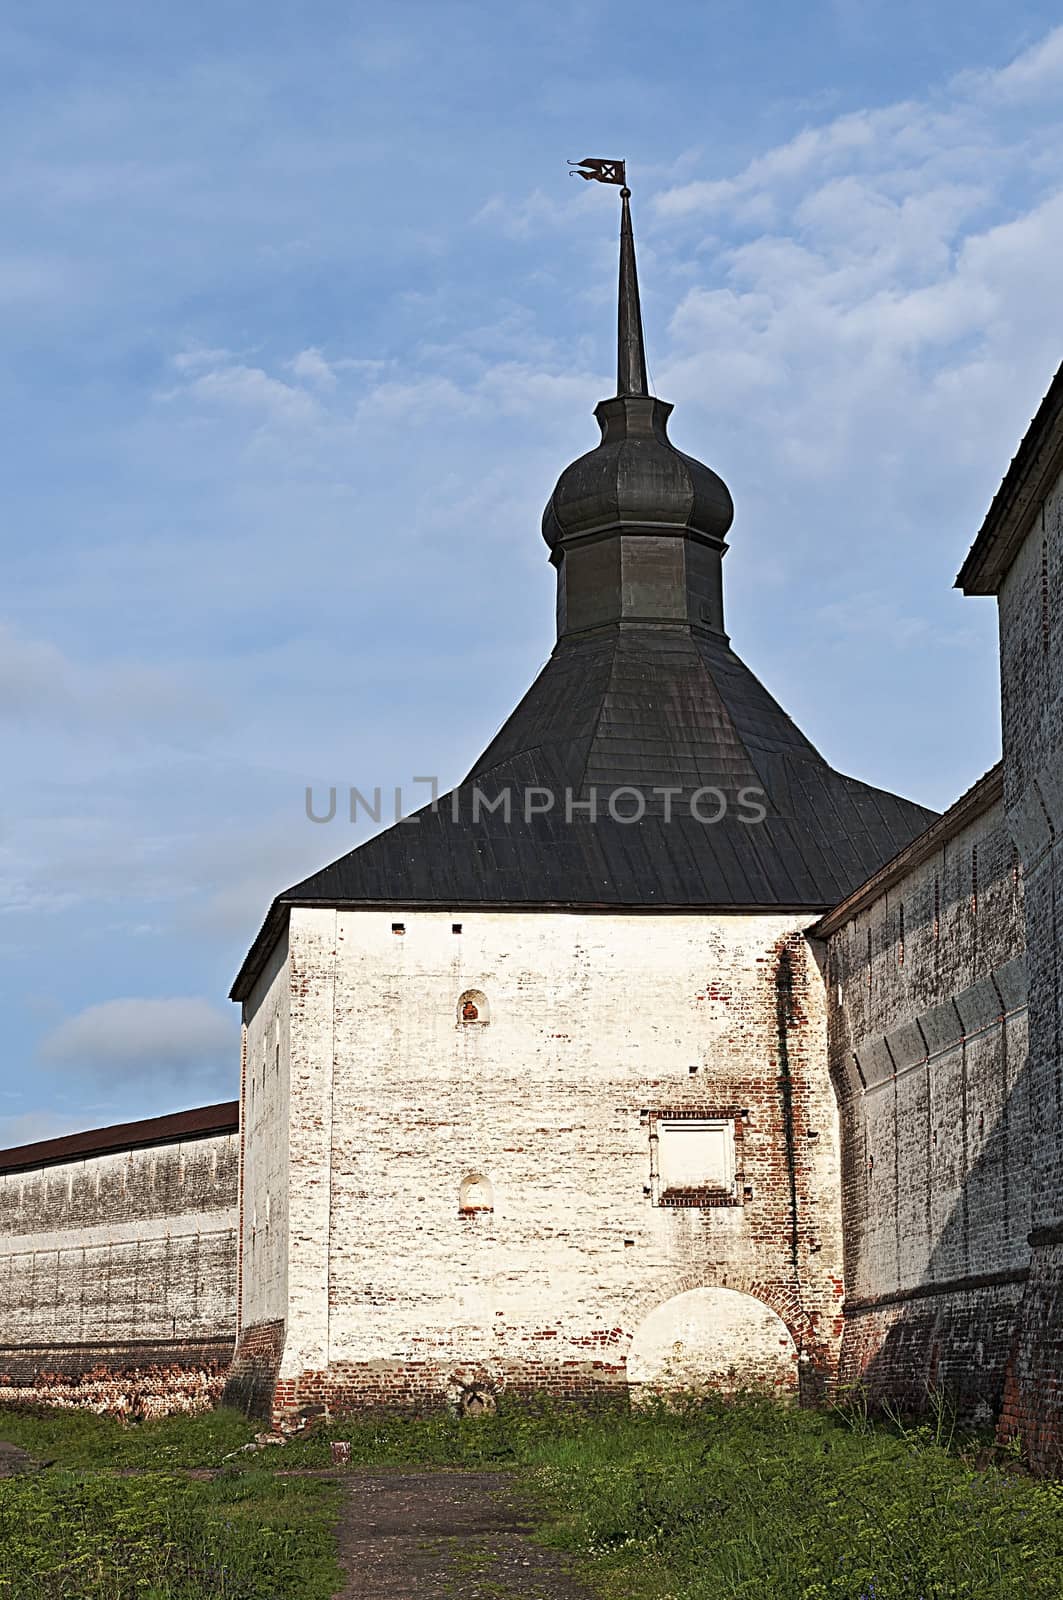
[(300, 318)]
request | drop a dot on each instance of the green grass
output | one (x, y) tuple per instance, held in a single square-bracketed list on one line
[(115, 1518), (704, 1502), (751, 1501), (82, 1439)]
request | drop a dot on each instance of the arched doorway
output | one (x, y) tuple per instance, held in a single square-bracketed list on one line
[(712, 1339)]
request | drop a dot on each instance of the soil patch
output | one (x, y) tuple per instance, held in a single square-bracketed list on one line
[(13, 1460), (437, 1535)]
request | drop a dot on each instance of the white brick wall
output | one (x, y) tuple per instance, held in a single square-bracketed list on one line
[(594, 1021)]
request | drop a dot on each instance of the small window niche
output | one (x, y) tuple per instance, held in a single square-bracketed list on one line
[(473, 1010), (476, 1197), (693, 1160)]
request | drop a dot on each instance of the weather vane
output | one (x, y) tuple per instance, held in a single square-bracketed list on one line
[(593, 167)]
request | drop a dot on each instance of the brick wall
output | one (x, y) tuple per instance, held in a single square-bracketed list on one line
[(587, 1027), (1031, 650), (264, 1199), (252, 1376), (927, 1017)]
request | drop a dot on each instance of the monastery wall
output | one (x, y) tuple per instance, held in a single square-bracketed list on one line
[(117, 1264), (624, 1161), (926, 987), (1031, 657)]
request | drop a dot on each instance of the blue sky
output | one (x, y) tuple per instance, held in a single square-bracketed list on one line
[(301, 317)]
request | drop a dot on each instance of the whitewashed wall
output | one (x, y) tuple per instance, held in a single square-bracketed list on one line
[(594, 1020)]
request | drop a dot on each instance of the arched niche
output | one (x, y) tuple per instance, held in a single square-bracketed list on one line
[(712, 1339), (473, 1009), (475, 1195)]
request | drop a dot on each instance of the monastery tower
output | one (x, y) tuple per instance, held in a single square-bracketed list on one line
[(535, 1088)]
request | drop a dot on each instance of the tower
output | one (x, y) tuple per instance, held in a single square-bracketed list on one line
[(536, 1091)]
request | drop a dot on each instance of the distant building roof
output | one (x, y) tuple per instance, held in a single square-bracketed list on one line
[(179, 1126), (1037, 462)]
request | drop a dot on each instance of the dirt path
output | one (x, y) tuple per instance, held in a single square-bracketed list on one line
[(443, 1535), (13, 1460)]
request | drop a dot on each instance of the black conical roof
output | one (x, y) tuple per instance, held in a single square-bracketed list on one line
[(632, 709)]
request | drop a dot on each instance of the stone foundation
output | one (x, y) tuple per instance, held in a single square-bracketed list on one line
[(905, 1349), (435, 1386), (133, 1382)]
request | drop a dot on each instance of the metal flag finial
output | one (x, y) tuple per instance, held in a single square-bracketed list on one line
[(601, 171), (631, 375)]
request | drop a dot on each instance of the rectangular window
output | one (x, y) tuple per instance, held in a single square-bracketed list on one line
[(695, 1160)]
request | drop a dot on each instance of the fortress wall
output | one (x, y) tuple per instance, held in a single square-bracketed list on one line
[(1031, 670), (926, 989), (117, 1263)]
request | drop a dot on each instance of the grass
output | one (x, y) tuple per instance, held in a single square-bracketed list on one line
[(706, 1501), (116, 1517), (751, 1501), (83, 1439)]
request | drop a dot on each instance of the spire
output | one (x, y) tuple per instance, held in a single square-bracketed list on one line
[(636, 529), (630, 345)]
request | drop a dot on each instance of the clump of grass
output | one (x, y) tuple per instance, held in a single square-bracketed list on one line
[(508, 1438), (738, 1503)]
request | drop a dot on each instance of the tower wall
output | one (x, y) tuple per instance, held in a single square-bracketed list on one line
[(546, 1107), (263, 1247)]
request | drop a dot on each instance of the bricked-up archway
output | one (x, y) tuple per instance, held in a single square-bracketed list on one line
[(712, 1339)]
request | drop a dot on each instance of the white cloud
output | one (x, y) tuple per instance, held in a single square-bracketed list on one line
[(199, 359), (147, 1041), (890, 274), (234, 386), (526, 216), (38, 679), (1037, 71), (311, 366)]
